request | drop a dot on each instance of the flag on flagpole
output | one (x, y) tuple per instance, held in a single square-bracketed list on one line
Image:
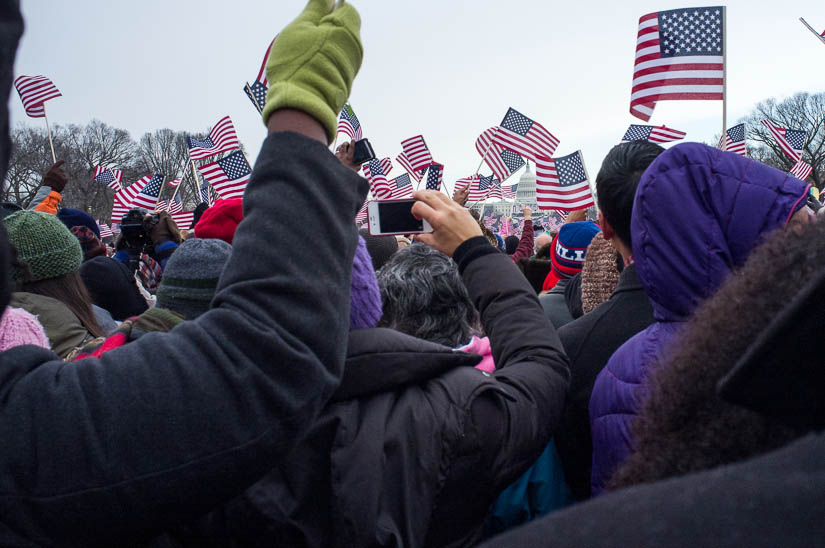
[(379, 186), (124, 198), (509, 192), (105, 231), (502, 161), (34, 91), (176, 182), (113, 178), (361, 216), (493, 187), (660, 134), (735, 140), (405, 163), (561, 183), (386, 166), (791, 141), (229, 175), (349, 125), (182, 218), (206, 194), (222, 138), (679, 56), (148, 196), (472, 182), (401, 186), (257, 90), (435, 175), (801, 170), (417, 153), (525, 136)]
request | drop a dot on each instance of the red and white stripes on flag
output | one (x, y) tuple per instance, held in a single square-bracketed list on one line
[(229, 175), (113, 178), (34, 92), (401, 187), (475, 195), (125, 197), (735, 140), (361, 216), (679, 56), (105, 231), (502, 161), (417, 153), (801, 170), (386, 166), (405, 163), (379, 186), (791, 141), (562, 183), (222, 138), (661, 134), (176, 182), (525, 136)]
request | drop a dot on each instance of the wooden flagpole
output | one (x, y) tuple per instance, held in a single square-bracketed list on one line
[(589, 182), (724, 79), (194, 179), (810, 28), (177, 189), (49, 131)]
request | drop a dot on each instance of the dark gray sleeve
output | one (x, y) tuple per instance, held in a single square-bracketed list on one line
[(165, 428)]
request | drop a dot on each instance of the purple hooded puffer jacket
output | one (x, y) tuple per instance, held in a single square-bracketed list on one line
[(697, 214)]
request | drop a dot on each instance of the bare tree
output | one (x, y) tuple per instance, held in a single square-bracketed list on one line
[(802, 111)]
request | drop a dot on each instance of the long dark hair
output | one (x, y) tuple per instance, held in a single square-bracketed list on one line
[(71, 291)]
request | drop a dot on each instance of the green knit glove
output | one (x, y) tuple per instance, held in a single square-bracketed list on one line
[(313, 62)]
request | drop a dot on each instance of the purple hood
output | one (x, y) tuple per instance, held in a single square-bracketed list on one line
[(697, 214)]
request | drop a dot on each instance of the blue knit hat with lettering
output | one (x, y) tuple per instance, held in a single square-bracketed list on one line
[(570, 247)]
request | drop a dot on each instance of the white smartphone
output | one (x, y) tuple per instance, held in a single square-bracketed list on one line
[(391, 217)]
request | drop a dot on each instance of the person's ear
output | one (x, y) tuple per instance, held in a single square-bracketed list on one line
[(607, 231)]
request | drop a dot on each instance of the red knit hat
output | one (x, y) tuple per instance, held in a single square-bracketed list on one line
[(221, 220)]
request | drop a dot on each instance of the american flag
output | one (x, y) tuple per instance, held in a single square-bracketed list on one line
[(561, 183), (801, 170), (349, 125), (148, 195), (654, 134), (490, 185), (435, 174), (502, 161), (125, 197), (176, 182), (405, 163), (401, 186), (479, 188), (34, 92), (791, 141), (182, 218), (105, 231), (361, 216), (206, 194), (472, 182), (417, 153), (524, 136), (113, 178), (379, 185), (491, 221), (222, 138), (678, 57), (735, 140), (509, 192), (257, 90), (229, 175), (386, 166)]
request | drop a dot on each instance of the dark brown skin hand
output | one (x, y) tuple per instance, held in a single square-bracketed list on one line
[(345, 152), (55, 178), (461, 194)]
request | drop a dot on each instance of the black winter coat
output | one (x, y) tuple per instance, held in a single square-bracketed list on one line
[(417, 443), (589, 342)]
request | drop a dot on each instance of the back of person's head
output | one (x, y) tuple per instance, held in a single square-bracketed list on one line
[(48, 257), (75, 217), (380, 248), (685, 426), (112, 287), (423, 296), (546, 250), (617, 180), (542, 240), (511, 244), (221, 220), (197, 213), (191, 276), (536, 270), (90, 244)]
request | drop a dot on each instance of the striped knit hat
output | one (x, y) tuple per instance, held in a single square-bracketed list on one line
[(190, 278), (44, 244), (569, 250)]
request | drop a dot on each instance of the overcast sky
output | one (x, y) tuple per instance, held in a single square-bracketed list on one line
[(446, 69)]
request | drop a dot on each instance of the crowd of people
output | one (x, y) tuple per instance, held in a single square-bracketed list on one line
[(650, 378)]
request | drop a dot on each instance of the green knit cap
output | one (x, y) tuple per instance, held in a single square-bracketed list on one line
[(44, 243)]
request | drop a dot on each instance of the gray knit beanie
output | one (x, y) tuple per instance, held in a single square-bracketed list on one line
[(190, 278), (44, 244)]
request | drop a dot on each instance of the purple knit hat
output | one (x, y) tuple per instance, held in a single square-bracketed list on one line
[(365, 299)]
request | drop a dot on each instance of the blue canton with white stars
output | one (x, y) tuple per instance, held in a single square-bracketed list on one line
[(375, 167), (637, 132), (434, 178), (152, 188), (200, 143), (795, 138), (106, 177), (485, 182), (205, 192), (349, 115), (235, 165), (737, 133), (512, 160), (691, 31), (257, 95), (517, 122), (402, 180), (570, 170)]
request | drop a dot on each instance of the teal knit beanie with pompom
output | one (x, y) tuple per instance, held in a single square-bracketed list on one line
[(44, 244)]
